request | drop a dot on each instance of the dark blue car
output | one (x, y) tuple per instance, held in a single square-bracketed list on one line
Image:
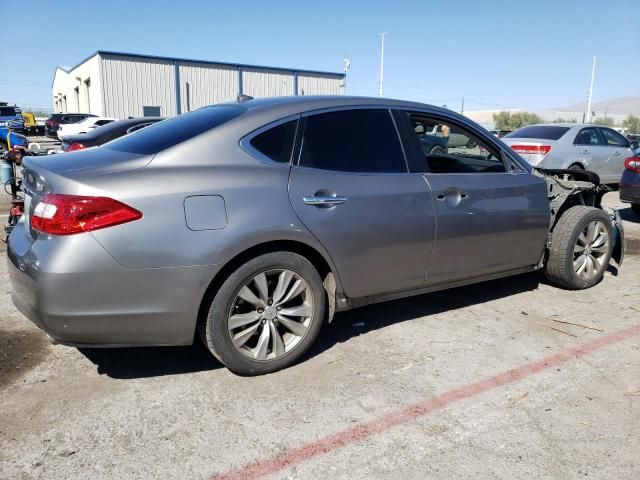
[(630, 183), (13, 115)]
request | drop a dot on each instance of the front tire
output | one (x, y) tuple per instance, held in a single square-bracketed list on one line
[(266, 314), (581, 247)]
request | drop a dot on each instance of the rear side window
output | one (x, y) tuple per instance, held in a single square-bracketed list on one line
[(613, 138), (352, 141), (588, 136), (176, 130), (545, 132), (277, 142), (7, 112)]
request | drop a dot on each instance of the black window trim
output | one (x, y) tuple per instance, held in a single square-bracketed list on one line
[(245, 142), (594, 127), (601, 129), (504, 155), (310, 113)]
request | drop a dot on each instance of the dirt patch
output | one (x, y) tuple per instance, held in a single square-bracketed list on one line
[(20, 351)]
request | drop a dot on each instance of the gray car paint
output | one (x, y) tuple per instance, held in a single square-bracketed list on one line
[(143, 283)]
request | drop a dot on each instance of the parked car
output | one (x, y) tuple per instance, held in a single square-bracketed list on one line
[(106, 133), (13, 115), (251, 223), (500, 133), (601, 150), (630, 183), (53, 122), (83, 126)]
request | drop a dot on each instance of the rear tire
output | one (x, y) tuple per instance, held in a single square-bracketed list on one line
[(274, 326), (581, 247)]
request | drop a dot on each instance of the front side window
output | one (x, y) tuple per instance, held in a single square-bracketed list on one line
[(588, 136), (613, 138), (364, 141), (277, 142), (448, 148)]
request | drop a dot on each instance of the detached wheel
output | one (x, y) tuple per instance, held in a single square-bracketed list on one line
[(266, 315), (581, 247)]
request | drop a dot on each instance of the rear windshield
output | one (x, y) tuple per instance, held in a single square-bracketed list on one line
[(545, 132), (170, 132), (7, 111)]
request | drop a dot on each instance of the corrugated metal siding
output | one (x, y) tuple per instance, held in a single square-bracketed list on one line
[(319, 85), (88, 100), (267, 83), (128, 85), (208, 84)]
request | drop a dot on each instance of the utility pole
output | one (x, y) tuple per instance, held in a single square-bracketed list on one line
[(593, 74), (347, 66), (462, 107), (381, 89)]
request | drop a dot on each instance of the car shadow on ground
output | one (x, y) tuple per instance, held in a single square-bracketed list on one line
[(129, 363), (347, 325), (629, 215)]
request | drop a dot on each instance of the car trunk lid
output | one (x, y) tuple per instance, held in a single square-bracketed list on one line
[(533, 150)]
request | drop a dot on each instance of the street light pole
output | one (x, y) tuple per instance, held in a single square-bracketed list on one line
[(593, 74), (381, 89)]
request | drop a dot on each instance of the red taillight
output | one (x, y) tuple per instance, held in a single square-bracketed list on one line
[(75, 146), (59, 214), (633, 164), (531, 149), (53, 122)]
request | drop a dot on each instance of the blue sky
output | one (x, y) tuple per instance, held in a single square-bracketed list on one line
[(495, 54)]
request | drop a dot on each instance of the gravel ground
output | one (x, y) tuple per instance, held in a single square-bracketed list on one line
[(176, 413)]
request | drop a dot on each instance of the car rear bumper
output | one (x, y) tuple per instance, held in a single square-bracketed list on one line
[(79, 295), (630, 187)]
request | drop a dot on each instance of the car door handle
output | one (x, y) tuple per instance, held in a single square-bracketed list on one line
[(324, 200), (451, 193), (443, 196)]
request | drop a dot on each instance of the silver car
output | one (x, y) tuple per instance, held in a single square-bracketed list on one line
[(251, 223), (598, 149)]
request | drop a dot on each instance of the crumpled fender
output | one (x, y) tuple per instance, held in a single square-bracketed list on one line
[(618, 237)]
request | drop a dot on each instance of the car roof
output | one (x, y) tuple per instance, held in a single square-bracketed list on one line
[(302, 103)]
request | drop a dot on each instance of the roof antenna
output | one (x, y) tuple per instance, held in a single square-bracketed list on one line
[(244, 98)]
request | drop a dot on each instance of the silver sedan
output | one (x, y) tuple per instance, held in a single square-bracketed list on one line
[(598, 149)]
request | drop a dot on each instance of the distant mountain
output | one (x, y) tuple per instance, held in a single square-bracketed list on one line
[(613, 106)]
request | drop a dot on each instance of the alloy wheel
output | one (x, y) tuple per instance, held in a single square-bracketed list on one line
[(270, 315), (591, 250)]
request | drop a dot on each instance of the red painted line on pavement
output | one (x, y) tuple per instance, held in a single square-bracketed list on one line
[(363, 430)]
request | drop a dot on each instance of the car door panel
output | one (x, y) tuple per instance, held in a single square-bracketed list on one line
[(617, 150), (492, 215), (380, 237), (499, 224)]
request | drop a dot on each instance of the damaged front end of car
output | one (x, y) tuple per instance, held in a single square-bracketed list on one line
[(569, 188)]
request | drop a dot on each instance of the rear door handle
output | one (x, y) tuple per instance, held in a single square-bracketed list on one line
[(324, 200), (443, 196)]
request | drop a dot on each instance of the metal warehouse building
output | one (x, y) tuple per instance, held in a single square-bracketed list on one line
[(121, 85)]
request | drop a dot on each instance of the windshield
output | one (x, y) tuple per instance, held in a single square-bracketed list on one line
[(546, 132), (176, 130)]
